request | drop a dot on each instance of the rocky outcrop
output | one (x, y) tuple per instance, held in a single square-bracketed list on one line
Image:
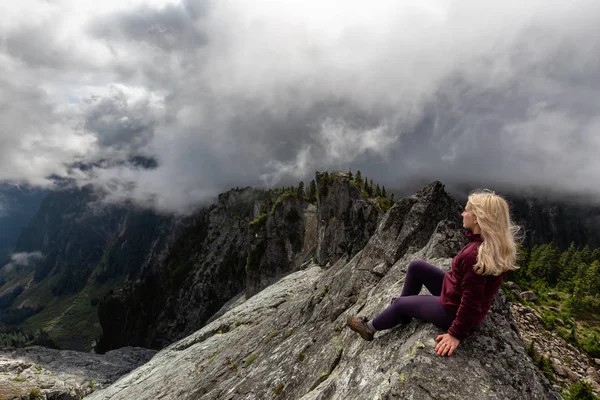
[(281, 243), (290, 341), (569, 364), (345, 219), (41, 373)]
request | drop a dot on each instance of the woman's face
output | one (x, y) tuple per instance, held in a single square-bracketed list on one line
[(469, 220)]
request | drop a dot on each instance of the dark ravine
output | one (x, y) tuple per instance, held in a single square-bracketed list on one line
[(289, 341)]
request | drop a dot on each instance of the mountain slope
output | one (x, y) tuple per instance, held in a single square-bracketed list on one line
[(290, 340)]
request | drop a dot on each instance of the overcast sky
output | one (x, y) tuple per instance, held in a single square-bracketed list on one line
[(264, 92)]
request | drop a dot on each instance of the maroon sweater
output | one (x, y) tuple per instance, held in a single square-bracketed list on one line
[(467, 293)]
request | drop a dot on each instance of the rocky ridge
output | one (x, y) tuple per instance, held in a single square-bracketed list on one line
[(290, 341)]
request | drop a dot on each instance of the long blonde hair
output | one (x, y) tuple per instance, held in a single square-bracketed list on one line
[(498, 252)]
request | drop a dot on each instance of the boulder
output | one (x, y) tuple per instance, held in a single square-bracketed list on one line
[(528, 296)]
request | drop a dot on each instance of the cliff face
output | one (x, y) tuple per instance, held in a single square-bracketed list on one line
[(202, 270), (281, 243), (290, 341), (243, 243), (345, 219)]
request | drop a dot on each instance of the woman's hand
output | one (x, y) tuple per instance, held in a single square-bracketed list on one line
[(447, 344)]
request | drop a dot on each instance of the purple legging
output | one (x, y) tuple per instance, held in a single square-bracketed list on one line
[(411, 305)]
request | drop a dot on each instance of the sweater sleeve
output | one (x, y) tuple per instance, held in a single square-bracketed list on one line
[(473, 294)]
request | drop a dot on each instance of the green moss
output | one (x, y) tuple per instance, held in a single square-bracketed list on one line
[(278, 202), (301, 357), (384, 204), (35, 394), (259, 221), (250, 359), (271, 335)]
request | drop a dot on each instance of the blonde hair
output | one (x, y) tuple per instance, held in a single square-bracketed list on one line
[(498, 252)]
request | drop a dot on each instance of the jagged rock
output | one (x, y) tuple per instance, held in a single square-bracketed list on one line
[(345, 219), (528, 296), (447, 240), (290, 341), (63, 374)]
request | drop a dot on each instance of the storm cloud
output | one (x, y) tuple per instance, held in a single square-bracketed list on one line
[(229, 93)]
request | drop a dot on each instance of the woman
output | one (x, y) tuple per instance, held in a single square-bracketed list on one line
[(462, 297)]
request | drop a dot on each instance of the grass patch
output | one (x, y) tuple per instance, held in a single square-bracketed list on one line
[(70, 320), (250, 359)]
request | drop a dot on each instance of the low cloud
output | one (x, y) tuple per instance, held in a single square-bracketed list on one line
[(23, 260), (226, 94)]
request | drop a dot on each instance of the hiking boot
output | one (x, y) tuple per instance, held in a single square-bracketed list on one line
[(359, 325)]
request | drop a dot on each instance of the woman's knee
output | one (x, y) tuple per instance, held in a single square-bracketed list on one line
[(417, 265)]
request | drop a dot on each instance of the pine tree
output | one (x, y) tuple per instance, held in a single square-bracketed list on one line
[(585, 255), (596, 254), (592, 279), (366, 185), (323, 185), (350, 176), (300, 192), (369, 187), (377, 191), (312, 191), (567, 264), (358, 180), (383, 193), (544, 263), (392, 198)]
